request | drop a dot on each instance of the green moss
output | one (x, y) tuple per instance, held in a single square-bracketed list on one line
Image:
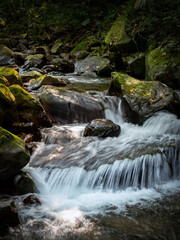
[(6, 51), (56, 49), (4, 81), (12, 75), (83, 45), (5, 94), (29, 75)]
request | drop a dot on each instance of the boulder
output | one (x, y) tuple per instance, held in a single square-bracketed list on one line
[(31, 199), (141, 99), (13, 154), (19, 58), (47, 80), (42, 50), (29, 109), (26, 76), (161, 66), (102, 128), (37, 61), (94, 65), (6, 56), (82, 46), (23, 184), (117, 37), (12, 75), (64, 106), (4, 81), (8, 111), (63, 65), (57, 47), (80, 55)]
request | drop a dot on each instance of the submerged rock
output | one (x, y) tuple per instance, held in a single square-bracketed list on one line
[(140, 99), (29, 109), (6, 56), (12, 75), (102, 128), (13, 154), (47, 80), (63, 106)]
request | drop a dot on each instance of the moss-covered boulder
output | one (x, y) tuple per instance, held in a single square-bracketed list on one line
[(136, 65), (13, 154), (4, 81), (8, 112), (23, 184), (82, 46), (57, 47), (64, 106), (26, 76), (140, 99), (102, 128), (94, 65), (12, 75), (161, 66), (117, 37), (6, 56), (47, 80), (29, 109), (36, 60)]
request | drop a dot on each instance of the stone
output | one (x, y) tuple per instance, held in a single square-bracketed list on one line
[(37, 61), (4, 81), (63, 65), (11, 75), (94, 65), (47, 80), (102, 128), (33, 74), (29, 109), (42, 50), (57, 47), (64, 106), (6, 56), (31, 199), (82, 46), (141, 99), (13, 154), (19, 58), (161, 66), (23, 184)]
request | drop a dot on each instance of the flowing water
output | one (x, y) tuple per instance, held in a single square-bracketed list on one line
[(115, 188)]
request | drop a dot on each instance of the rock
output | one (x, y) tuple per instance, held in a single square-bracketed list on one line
[(8, 111), (161, 66), (47, 80), (42, 50), (21, 47), (19, 58), (26, 76), (13, 154), (23, 184), (6, 56), (12, 75), (117, 37), (63, 65), (8, 214), (29, 109), (80, 55), (141, 99), (95, 64), (8, 42), (31, 199), (102, 128), (37, 61), (63, 106), (136, 65), (57, 47), (82, 46), (4, 81)]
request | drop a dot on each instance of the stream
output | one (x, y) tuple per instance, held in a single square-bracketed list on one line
[(126, 187)]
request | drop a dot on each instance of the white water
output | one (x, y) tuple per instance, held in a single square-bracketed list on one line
[(84, 177)]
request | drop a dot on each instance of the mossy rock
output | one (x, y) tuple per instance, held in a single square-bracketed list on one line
[(117, 37), (141, 99), (6, 56), (36, 61), (26, 76), (57, 48), (13, 154), (24, 184), (4, 81), (42, 50), (83, 45), (161, 66), (11, 75), (8, 42), (29, 109), (8, 111)]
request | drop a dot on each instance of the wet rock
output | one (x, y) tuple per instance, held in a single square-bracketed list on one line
[(13, 154), (80, 55), (23, 184), (6, 56), (29, 109), (47, 80), (4, 81), (26, 76), (12, 75), (141, 99), (31, 199), (95, 64), (37, 61), (19, 58), (63, 106), (102, 128), (82, 46), (8, 111), (63, 65), (160, 66)]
